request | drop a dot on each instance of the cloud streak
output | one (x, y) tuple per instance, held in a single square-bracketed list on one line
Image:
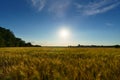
[(109, 24), (56, 7), (97, 7), (60, 7), (39, 4)]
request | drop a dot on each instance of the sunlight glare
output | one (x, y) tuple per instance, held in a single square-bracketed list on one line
[(64, 33)]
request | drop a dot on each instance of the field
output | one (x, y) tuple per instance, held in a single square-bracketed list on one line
[(59, 63)]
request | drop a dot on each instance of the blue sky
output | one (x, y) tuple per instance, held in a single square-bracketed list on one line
[(39, 21)]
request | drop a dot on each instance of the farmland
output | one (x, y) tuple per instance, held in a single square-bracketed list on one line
[(59, 63)]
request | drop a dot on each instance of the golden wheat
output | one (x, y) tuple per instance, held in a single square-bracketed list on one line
[(59, 64)]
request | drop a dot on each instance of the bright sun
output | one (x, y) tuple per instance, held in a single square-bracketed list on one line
[(64, 33)]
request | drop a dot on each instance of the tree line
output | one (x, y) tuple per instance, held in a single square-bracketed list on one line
[(96, 46), (8, 39)]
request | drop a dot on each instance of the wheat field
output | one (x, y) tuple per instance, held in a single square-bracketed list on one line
[(59, 63)]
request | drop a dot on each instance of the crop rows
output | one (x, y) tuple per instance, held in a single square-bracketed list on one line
[(59, 64)]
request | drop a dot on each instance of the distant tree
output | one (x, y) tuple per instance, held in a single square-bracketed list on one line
[(117, 46), (2, 42), (8, 39), (37, 46), (28, 44), (69, 46), (93, 46), (78, 45)]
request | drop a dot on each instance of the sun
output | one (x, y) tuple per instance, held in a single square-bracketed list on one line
[(64, 33)]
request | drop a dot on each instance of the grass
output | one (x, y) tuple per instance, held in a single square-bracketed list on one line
[(59, 64)]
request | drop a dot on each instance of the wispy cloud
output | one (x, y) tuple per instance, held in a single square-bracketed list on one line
[(79, 6), (60, 7), (97, 7), (56, 7), (39, 4), (109, 24)]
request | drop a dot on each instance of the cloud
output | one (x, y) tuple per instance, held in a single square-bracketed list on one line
[(56, 7), (109, 24), (39, 4), (79, 6), (60, 7), (97, 7)]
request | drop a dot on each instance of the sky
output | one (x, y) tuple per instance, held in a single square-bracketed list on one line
[(88, 22)]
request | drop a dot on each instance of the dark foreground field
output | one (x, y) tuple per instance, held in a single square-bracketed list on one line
[(59, 64)]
